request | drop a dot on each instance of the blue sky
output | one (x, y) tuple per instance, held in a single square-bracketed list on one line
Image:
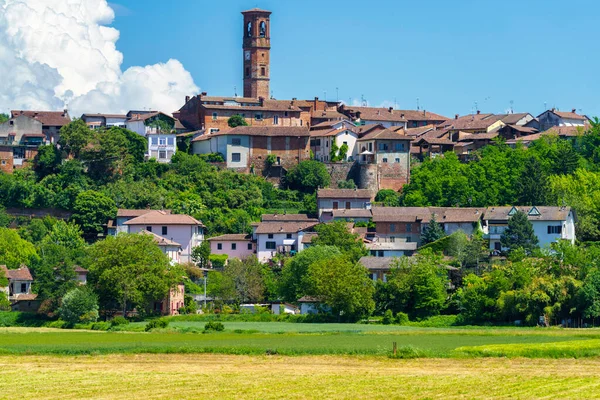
[(448, 54)]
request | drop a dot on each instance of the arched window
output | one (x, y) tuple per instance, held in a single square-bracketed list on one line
[(249, 29), (263, 29)]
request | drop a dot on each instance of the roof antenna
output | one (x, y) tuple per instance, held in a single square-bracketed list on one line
[(395, 104), (363, 102), (337, 95), (418, 104), (511, 107), (235, 91), (325, 94)]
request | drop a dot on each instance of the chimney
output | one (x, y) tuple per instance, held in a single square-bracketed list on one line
[(455, 116), (574, 111), (261, 101), (187, 98), (402, 116), (391, 110), (316, 104), (478, 112)]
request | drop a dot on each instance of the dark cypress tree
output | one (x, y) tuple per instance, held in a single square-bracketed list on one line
[(432, 232), (532, 186), (519, 233), (566, 160)]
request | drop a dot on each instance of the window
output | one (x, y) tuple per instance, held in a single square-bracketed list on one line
[(270, 245), (270, 236), (170, 141), (214, 116), (497, 246), (164, 230), (162, 141), (380, 253), (149, 228), (392, 239), (397, 160), (348, 204), (555, 229), (263, 71), (233, 246), (236, 157), (408, 227), (249, 29), (399, 146), (12, 123), (315, 142), (392, 227), (262, 28), (288, 236), (370, 146), (219, 246), (384, 160), (247, 71), (258, 117), (3, 162), (327, 143), (162, 154), (236, 141), (383, 146), (285, 114), (213, 130), (154, 140), (408, 239), (335, 205), (275, 120), (249, 246), (23, 288)]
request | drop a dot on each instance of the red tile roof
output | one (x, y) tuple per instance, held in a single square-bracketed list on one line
[(123, 212), (283, 227), (287, 218), (385, 134), (344, 194), (281, 131), (232, 237), (20, 274), (376, 114), (163, 218), (47, 118)]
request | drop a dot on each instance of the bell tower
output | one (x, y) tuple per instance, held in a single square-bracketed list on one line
[(257, 48)]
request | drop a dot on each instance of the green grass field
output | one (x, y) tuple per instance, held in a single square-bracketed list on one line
[(309, 339)]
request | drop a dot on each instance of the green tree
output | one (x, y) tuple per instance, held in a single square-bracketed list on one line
[(333, 152), (566, 160), (201, 254), (589, 295), (343, 154), (293, 284), (130, 271), (74, 137), (519, 233), (388, 197), (4, 117), (93, 209), (432, 232), (15, 251), (236, 120), (342, 285), (532, 186), (80, 305), (308, 176), (349, 184), (46, 161), (4, 302), (338, 235), (247, 278), (5, 219)]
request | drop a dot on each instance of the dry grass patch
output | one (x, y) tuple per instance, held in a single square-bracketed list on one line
[(276, 377)]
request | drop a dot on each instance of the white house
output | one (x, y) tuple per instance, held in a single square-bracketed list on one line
[(324, 135), (329, 200), (550, 224), (281, 236), (161, 144), (553, 117), (169, 247), (390, 247), (19, 283), (123, 215), (180, 229)]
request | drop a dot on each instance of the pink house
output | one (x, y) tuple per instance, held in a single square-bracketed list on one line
[(173, 302), (234, 245)]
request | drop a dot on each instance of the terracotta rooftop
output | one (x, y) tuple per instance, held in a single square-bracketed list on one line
[(104, 115), (375, 114), (232, 237), (509, 119), (280, 131), (20, 274), (308, 237), (163, 218), (250, 105), (330, 132), (160, 240), (287, 218), (385, 134), (423, 214), (479, 136), (568, 115), (421, 115), (144, 117), (352, 213), (537, 213), (283, 227), (24, 297), (344, 194), (48, 118)]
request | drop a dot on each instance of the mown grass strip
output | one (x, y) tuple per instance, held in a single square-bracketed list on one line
[(565, 349)]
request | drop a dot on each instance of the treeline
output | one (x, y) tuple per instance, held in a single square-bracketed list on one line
[(552, 171), (92, 173)]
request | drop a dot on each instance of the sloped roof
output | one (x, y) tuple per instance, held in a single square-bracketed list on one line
[(331, 132), (157, 217), (344, 194), (478, 136), (331, 115), (567, 115), (308, 237), (125, 212), (283, 227), (401, 245), (352, 213), (377, 263), (287, 218), (144, 117), (267, 105), (160, 240), (421, 115), (385, 134), (273, 131), (20, 274), (376, 114), (514, 118), (545, 213), (123, 116), (423, 214), (472, 121), (48, 118), (231, 237)]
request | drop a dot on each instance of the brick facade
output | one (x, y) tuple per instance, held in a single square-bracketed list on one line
[(289, 150), (6, 159), (256, 54)]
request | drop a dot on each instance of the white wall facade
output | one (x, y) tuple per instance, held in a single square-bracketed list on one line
[(281, 239), (189, 236), (161, 147)]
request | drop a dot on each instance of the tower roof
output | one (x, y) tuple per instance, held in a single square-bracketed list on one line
[(256, 10)]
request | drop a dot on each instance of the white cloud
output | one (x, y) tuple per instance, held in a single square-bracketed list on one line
[(62, 52)]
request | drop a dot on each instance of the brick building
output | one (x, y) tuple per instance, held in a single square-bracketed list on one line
[(246, 148), (257, 48), (20, 138)]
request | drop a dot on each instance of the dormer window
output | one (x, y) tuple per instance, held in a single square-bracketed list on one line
[(512, 211), (534, 211)]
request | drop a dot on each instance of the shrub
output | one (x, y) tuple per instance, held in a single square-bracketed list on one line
[(402, 318), (218, 260), (214, 326), (388, 317), (191, 307), (156, 323), (100, 326), (79, 305), (118, 321)]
